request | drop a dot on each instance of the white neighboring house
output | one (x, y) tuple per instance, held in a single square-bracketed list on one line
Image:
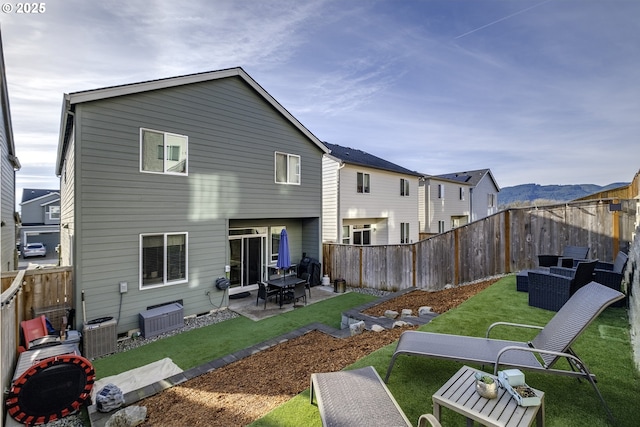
[(367, 200), (483, 194), (443, 204)]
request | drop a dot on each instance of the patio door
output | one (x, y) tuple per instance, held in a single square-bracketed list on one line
[(247, 257)]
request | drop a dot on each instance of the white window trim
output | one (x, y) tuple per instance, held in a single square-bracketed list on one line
[(164, 166), (404, 187), (297, 173), (365, 177), (165, 283), (49, 213)]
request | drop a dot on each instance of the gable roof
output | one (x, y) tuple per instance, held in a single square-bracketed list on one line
[(470, 177), (71, 99), (357, 157), (32, 194)]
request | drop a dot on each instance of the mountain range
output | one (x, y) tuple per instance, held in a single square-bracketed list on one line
[(558, 193)]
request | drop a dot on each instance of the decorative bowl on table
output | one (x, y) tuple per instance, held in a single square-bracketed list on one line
[(486, 386)]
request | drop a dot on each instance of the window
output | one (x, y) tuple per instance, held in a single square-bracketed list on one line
[(440, 191), (461, 193), (346, 235), (275, 241), (491, 200), (404, 187), (404, 232), (362, 234), (53, 212), (441, 227), (287, 168), (163, 259), (363, 182), (162, 152)]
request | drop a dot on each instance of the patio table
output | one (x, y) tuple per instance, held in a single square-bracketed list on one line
[(283, 283)]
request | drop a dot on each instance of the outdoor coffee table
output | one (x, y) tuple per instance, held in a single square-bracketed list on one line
[(459, 395)]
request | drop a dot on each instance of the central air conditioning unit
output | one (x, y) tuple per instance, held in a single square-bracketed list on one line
[(159, 320), (99, 337)]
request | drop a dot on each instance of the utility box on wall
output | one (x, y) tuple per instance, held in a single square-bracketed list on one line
[(161, 319)]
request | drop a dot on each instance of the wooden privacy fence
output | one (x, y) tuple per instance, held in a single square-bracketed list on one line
[(24, 293), (506, 242)]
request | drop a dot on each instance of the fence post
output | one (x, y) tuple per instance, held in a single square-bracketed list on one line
[(507, 241), (456, 256)]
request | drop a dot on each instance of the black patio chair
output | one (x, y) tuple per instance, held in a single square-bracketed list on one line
[(566, 259), (307, 282), (265, 292), (553, 289)]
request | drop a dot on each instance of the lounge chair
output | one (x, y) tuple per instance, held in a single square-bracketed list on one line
[(552, 290), (552, 343), (566, 259)]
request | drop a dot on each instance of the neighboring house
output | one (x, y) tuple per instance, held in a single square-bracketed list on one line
[(367, 200), (444, 204), (9, 164), (170, 184), (40, 214), (483, 194)]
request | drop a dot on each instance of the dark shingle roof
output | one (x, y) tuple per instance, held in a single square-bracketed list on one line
[(34, 193), (469, 177), (358, 157)]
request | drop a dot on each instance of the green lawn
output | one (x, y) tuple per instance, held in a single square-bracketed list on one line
[(604, 347)]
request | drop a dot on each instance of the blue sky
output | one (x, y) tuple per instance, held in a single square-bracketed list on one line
[(540, 92)]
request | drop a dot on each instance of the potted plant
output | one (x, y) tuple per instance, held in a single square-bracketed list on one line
[(486, 386)]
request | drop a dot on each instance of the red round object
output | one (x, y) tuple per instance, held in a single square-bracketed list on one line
[(51, 389)]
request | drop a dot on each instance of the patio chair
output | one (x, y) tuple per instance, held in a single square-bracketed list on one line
[(265, 292), (36, 333), (552, 290), (566, 259), (299, 291), (307, 282), (611, 275), (551, 344)]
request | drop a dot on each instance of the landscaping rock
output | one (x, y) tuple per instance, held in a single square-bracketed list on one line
[(406, 312), (377, 328), (424, 310), (400, 324), (391, 314), (109, 397), (130, 416), (357, 328)]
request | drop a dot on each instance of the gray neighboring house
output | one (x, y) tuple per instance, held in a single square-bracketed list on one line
[(40, 215), (483, 191), (167, 185), (9, 165)]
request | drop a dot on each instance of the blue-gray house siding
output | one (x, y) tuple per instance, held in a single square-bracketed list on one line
[(234, 129)]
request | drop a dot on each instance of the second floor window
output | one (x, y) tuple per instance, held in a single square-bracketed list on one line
[(461, 193), (287, 168), (53, 212), (363, 182), (163, 152), (440, 191), (491, 200), (404, 187)]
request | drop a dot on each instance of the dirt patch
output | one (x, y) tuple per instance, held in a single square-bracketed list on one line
[(244, 391)]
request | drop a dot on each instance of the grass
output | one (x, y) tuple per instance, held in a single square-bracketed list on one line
[(202, 345), (604, 347)]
